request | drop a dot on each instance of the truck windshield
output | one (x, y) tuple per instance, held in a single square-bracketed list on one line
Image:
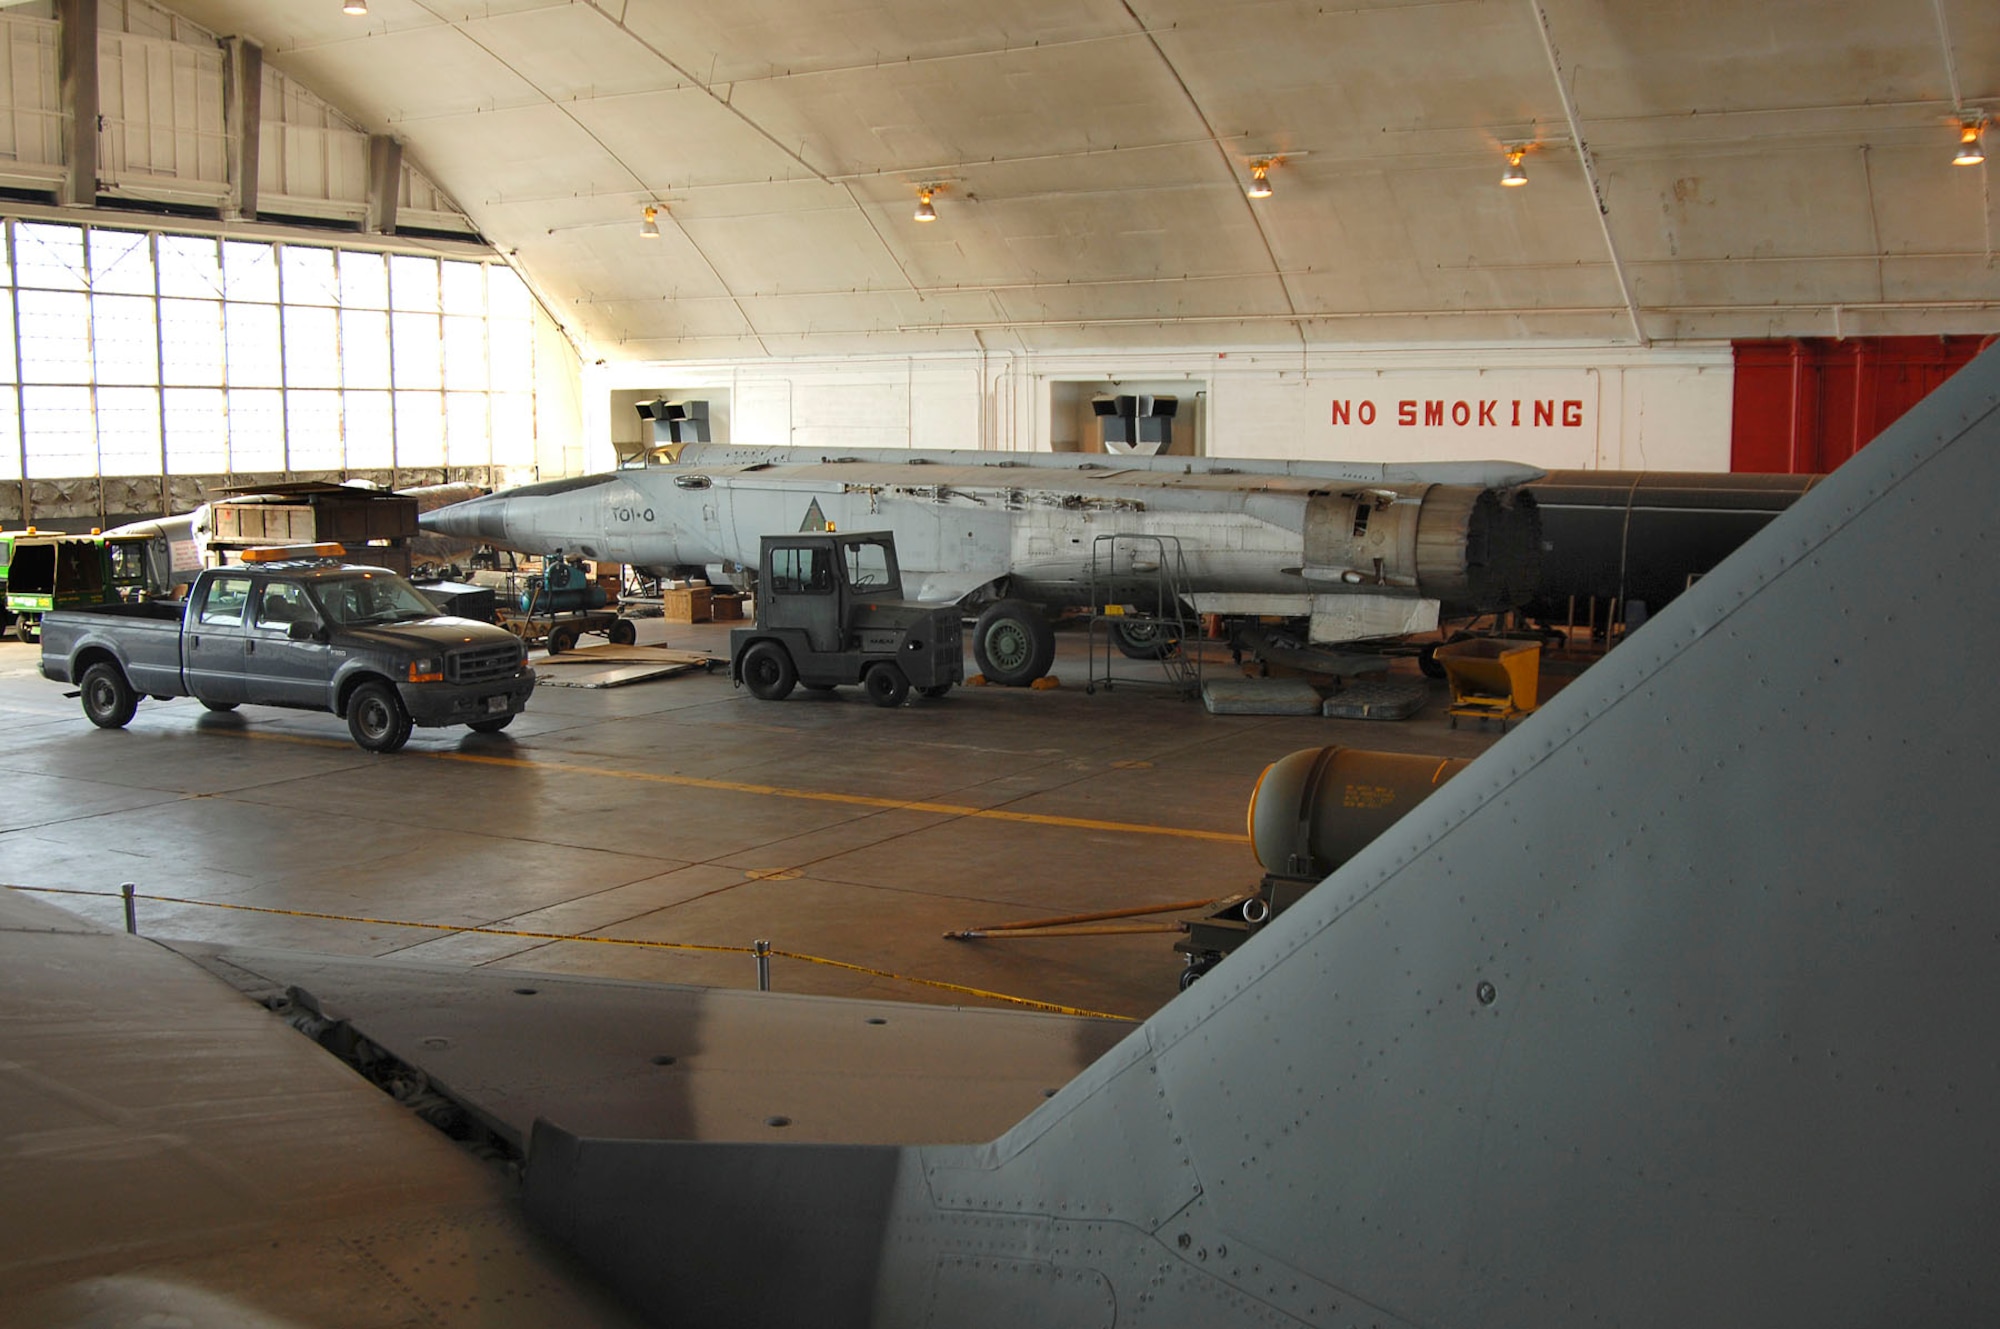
[(371, 597)]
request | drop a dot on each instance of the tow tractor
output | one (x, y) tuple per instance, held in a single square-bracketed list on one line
[(830, 610)]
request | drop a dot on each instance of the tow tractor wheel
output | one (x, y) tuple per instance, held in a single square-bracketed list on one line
[(768, 671), (561, 639), (886, 684)]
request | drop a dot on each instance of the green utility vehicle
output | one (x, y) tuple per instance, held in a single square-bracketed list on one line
[(830, 610), (46, 571)]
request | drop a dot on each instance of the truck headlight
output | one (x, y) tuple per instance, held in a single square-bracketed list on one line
[(426, 671)]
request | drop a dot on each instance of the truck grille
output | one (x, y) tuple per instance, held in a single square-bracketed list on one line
[(483, 664)]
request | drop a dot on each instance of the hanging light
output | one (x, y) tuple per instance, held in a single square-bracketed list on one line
[(358, 8), (649, 229), (1514, 174), (1260, 180), (925, 212), (1970, 151)]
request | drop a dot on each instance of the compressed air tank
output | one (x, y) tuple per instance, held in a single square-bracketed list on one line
[(1317, 808), (562, 587)]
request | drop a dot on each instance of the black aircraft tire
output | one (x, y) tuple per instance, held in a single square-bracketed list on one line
[(1151, 641), (886, 684), (1013, 643), (376, 719), (768, 671), (622, 632), (108, 700)]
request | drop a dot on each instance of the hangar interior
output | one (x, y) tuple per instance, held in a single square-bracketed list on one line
[(409, 244)]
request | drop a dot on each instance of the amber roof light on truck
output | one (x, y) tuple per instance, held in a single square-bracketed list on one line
[(289, 553)]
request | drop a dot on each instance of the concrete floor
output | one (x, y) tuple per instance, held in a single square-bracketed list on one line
[(678, 811)]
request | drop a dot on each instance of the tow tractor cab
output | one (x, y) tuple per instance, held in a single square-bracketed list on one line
[(41, 571), (830, 610)]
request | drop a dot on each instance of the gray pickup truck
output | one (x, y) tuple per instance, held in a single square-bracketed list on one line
[(308, 633)]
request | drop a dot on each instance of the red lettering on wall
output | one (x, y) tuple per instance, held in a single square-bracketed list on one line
[(1486, 413), (1461, 414), (1545, 413), (1406, 413), (1434, 413), (1367, 413), (1572, 415), (1341, 412), (1517, 413)]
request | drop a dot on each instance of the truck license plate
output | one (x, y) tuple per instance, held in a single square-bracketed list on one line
[(495, 705)]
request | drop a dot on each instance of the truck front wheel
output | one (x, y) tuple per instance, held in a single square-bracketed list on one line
[(768, 671), (107, 698), (376, 718), (885, 684)]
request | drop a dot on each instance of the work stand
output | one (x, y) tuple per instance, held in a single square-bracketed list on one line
[(1139, 612)]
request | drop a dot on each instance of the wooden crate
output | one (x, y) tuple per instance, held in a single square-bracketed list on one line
[(726, 608), (696, 604)]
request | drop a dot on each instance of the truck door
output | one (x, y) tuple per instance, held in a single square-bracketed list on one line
[(212, 642), (804, 592), (277, 669)]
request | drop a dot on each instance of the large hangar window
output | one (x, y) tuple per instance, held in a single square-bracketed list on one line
[(140, 352)]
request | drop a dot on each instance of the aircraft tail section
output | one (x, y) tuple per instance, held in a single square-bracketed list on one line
[(1676, 1007)]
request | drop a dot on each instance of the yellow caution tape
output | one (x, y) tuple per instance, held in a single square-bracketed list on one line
[(1029, 1002)]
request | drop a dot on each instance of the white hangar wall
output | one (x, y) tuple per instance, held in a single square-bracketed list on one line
[(1582, 407)]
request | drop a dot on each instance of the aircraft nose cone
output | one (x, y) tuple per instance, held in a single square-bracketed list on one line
[(463, 520)]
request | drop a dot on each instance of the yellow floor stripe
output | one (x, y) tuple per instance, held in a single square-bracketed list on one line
[(781, 791), (1029, 1002)]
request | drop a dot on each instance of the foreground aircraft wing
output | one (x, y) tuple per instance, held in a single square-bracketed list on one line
[(1675, 1008)]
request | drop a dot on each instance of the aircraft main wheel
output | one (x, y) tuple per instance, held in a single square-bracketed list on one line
[(768, 671), (560, 640), (107, 698), (493, 726), (220, 705), (622, 632), (376, 719), (1013, 643), (1145, 641), (934, 691), (886, 685)]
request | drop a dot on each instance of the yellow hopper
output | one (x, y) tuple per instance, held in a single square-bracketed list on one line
[(1491, 678)]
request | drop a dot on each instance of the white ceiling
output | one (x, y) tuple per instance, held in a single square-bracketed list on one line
[(1760, 164)]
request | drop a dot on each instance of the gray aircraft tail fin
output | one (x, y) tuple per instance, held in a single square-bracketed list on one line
[(1677, 1007)]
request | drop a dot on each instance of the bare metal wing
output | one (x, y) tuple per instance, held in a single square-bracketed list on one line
[(1676, 1008)]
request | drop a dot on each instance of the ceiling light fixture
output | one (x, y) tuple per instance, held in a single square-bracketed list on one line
[(358, 8), (1514, 174), (1260, 180), (649, 229), (925, 212), (1970, 151)]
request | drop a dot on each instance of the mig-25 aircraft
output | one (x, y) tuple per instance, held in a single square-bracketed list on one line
[(1352, 549)]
